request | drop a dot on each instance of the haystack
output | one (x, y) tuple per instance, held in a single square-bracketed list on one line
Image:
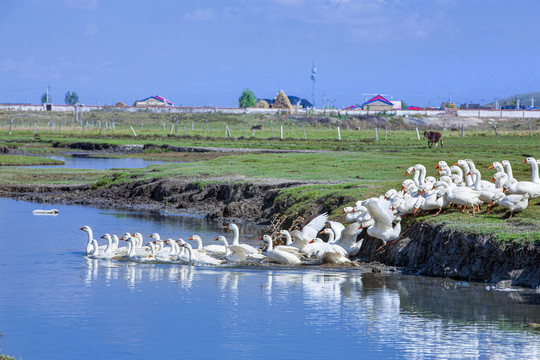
[(282, 101), (262, 104)]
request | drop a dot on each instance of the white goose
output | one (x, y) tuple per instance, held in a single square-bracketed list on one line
[(310, 231), (487, 194), (236, 239), (350, 216), (89, 247), (112, 246), (136, 254), (464, 197), (234, 252), (514, 203), (210, 249), (278, 255), (326, 253), (382, 226), (348, 239), (297, 243), (534, 164), (519, 187), (97, 254), (466, 169), (200, 258), (441, 164)]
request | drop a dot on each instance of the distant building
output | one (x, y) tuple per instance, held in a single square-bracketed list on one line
[(154, 100), (378, 103)]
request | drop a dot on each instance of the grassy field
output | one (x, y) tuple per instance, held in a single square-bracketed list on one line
[(196, 128), (355, 168)]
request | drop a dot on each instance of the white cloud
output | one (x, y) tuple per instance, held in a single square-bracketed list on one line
[(91, 29), (82, 4), (208, 15), (202, 15)]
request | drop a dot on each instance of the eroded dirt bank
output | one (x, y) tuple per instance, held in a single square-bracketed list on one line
[(422, 249)]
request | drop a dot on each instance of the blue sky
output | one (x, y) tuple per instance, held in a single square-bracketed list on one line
[(199, 53)]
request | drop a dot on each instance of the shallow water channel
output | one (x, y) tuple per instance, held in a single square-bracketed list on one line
[(84, 162), (57, 304)]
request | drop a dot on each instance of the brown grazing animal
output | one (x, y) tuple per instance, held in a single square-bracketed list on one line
[(433, 137)]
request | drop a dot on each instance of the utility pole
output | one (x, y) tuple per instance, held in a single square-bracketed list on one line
[(313, 79), (532, 102)]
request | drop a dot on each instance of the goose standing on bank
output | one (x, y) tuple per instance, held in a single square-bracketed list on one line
[(534, 164), (514, 202)]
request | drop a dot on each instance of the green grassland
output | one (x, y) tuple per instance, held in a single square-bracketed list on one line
[(341, 172)]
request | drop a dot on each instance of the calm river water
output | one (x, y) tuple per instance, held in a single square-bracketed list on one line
[(101, 163), (57, 304)]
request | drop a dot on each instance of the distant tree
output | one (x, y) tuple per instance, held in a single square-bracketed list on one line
[(43, 98), (247, 99), (71, 98), (404, 105)]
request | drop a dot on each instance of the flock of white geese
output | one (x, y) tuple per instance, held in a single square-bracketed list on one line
[(459, 185)]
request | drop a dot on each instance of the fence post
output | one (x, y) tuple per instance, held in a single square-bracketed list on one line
[(305, 137), (376, 135), (134, 133), (271, 128), (175, 126), (462, 130), (35, 128), (530, 128), (495, 127), (83, 129), (207, 130), (417, 134), (163, 124), (184, 129), (53, 126), (385, 133), (281, 127), (172, 128), (338, 134)]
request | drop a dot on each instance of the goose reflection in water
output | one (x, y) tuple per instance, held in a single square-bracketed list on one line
[(421, 317)]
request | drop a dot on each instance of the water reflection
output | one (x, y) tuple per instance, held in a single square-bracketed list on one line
[(101, 163), (419, 317)]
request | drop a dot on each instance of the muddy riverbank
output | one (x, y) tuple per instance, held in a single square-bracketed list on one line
[(422, 249)]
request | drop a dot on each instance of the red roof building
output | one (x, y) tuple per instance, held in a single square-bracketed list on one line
[(378, 103)]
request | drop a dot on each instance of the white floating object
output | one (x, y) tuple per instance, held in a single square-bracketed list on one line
[(45, 212)]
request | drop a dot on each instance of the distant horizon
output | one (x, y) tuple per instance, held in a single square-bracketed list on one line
[(204, 54)]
